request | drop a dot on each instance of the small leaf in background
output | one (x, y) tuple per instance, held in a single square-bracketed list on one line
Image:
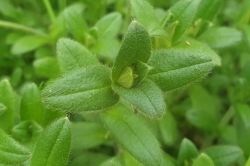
[(16, 76), (53, 146), (87, 135), (47, 67), (88, 158), (72, 55), (114, 161), (168, 129), (136, 46), (7, 9), (203, 115), (176, 67), (7, 99), (146, 97), (28, 43), (221, 37), (50, 115), (244, 15), (187, 152), (91, 91), (146, 15), (11, 151), (223, 155), (203, 160), (248, 162), (128, 129), (75, 21), (168, 160), (208, 9), (184, 12), (243, 113), (109, 26), (31, 106), (25, 131)]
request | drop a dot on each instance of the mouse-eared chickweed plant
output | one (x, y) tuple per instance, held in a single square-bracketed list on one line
[(118, 86)]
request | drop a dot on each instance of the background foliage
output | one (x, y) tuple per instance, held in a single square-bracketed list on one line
[(149, 56)]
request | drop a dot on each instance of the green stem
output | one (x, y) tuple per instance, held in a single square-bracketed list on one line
[(227, 117), (49, 10), (20, 27)]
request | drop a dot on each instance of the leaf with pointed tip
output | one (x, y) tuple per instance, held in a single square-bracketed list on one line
[(221, 37), (11, 151), (47, 67), (146, 97), (136, 46), (223, 155), (208, 9), (2, 108), (146, 15), (73, 55), (184, 12), (75, 21), (203, 160), (176, 67), (53, 146), (141, 71), (28, 43), (31, 105), (86, 89), (128, 129), (109, 26), (187, 152), (7, 98)]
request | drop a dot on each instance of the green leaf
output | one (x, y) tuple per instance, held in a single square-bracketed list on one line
[(244, 15), (16, 76), (31, 106), (176, 67), (126, 79), (187, 152), (87, 135), (53, 146), (109, 26), (7, 9), (11, 151), (128, 129), (146, 15), (47, 67), (146, 97), (141, 71), (130, 160), (208, 9), (72, 55), (223, 155), (136, 46), (168, 160), (86, 89), (26, 130), (75, 21), (114, 161), (184, 12), (203, 160), (27, 44), (243, 113), (248, 162), (2, 108), (7, 98), (221, 37), (168, 129), (191, 44), (88, 158)]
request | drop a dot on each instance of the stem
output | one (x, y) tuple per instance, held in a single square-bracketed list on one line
[(227, 117), (20, 27), (49, 10)]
